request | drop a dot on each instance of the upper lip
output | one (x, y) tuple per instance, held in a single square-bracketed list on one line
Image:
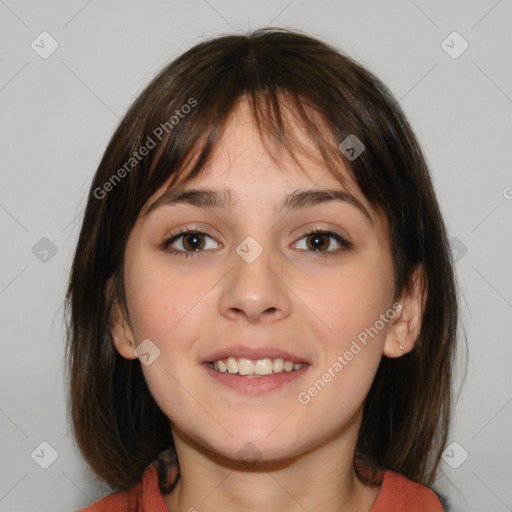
[(253, 353)]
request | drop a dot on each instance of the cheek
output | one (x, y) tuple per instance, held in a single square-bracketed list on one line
[(160, 299), (349, 304), (351, 351), (350, 300)]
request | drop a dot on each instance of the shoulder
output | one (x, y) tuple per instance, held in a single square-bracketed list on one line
[(145, 496), (159, 478), (400, 493), (120, 501)]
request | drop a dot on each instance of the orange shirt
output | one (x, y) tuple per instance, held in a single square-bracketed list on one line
[(397, 493)]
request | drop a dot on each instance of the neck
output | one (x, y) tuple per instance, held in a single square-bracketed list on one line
[(320, 479)]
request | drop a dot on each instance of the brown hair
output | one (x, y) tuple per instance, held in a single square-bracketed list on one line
[(117, 424)]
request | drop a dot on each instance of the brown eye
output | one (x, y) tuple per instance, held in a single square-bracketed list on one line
[(319, 242), (193, 242), (189, 242)]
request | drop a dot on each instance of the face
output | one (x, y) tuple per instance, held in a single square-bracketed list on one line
[(248, 281)]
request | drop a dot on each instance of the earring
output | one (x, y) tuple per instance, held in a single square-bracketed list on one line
[(401, 346)]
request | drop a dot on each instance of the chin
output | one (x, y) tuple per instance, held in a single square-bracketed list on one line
[(257, 446)]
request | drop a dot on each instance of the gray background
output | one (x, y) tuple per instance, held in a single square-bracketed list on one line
[(58, 113)]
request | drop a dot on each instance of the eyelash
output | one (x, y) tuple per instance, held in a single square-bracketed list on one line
[(345, 244)]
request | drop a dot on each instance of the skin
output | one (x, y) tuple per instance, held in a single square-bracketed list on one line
[(289, 297)]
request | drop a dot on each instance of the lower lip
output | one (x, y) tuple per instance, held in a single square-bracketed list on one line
[(256, 385)]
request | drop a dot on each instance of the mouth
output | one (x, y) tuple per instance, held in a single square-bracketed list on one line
[(254, 370), (255, 377)]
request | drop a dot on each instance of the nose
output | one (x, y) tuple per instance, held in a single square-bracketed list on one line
[(255, 290)]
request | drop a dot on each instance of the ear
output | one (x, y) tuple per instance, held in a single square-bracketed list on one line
[(405, 327), (121, 332)]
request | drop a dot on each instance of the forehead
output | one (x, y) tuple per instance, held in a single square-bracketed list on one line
[(246, 158), (252, 167)]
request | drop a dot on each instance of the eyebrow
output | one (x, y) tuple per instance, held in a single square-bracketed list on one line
[(223, 199)]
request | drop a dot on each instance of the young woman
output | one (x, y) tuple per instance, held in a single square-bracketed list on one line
[(263, 309)]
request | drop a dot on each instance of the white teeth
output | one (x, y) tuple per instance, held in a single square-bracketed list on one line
[(244, 366), (278, 365), (232, 365), (288, 366), (263, 367)]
